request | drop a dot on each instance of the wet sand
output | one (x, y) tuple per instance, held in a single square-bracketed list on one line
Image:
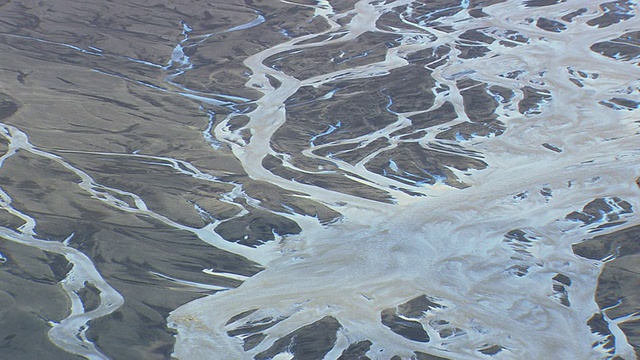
[(319, 179)]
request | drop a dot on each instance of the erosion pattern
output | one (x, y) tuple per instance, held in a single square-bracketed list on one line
[(319, 179)]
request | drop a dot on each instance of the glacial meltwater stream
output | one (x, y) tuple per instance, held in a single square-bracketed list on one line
[(320, 180)]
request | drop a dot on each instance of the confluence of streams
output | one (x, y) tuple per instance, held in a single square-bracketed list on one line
[(469, 258)]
